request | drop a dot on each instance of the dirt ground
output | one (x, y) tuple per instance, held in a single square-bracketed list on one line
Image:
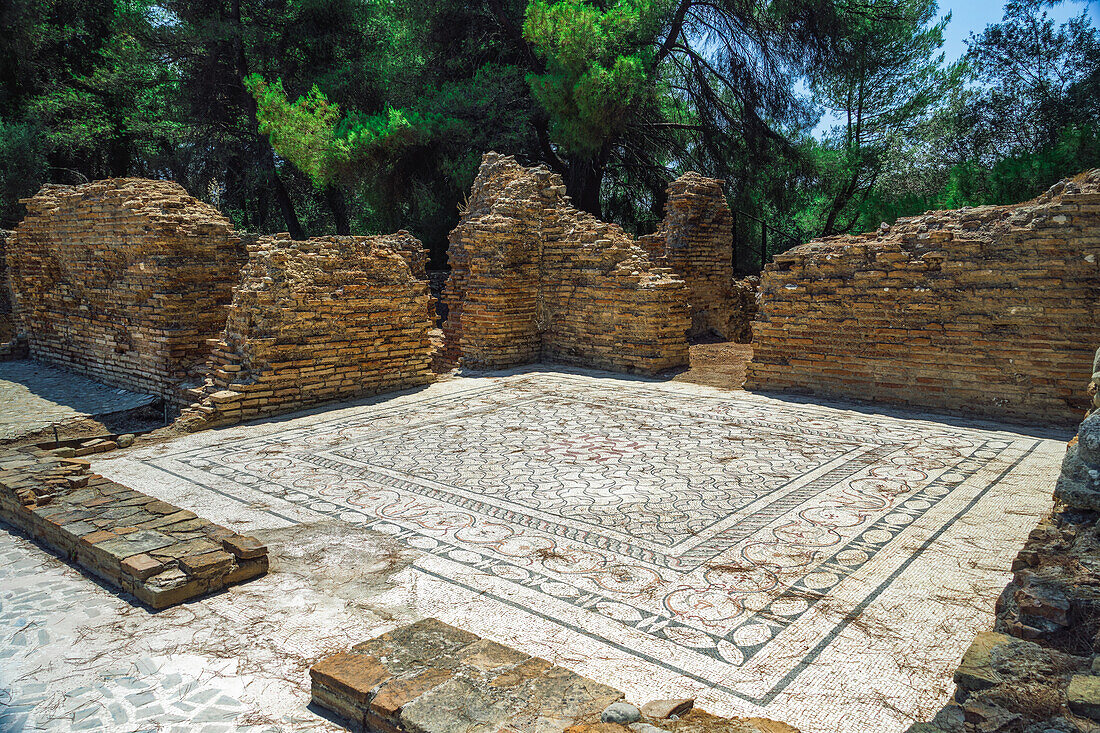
[(721, 365)]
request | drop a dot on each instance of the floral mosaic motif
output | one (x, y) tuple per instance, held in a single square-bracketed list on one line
[(710, 523)]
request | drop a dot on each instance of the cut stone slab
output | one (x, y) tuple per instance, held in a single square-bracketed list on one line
[(149, 548), (430, 677)]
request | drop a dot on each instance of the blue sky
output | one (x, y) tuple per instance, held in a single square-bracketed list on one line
[(972, 16), (969, 16)]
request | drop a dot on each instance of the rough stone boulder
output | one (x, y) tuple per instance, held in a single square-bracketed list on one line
[(1079, 483)]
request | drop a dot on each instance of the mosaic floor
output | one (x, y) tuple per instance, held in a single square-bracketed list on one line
[(821, 565)]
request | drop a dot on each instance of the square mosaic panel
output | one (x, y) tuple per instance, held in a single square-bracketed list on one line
[(699, 531)]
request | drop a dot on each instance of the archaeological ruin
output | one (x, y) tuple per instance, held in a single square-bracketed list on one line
[(596, 542), (532, 278), (992, 310), (123, 280), (319, 320)]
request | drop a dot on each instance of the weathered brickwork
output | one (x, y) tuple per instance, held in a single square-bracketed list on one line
[(123, 280), (986, 310), (318, 320), (1038, 670), (11, 346), (695, 239), (533, 278)]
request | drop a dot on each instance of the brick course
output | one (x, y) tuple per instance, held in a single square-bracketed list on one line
[(695, 239), (534, 278), (985, 310), (312, 321), (123, 280)]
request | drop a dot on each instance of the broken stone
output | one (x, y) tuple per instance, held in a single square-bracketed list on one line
[(662, 709), (206, 565), (1078, 484), (125, 440), (620, 712), (976, 671), (141, 566), (354, 675), (1083, 695), (244, 547)]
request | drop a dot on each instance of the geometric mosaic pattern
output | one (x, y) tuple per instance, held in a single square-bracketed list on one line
[(695, 531)]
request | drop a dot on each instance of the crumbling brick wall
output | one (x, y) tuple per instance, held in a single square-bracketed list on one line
[(534, 278), (695, 239), (318, 320), (123, 280), (985, 310)]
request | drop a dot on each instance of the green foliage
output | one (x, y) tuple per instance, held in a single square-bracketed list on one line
[(378, 111), (598, 64), (329, 147), (23, 166)]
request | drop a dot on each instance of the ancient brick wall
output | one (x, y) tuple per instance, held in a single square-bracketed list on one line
[(985, 310), (318, 320), (533, 278), (123, 280), (695, 239)]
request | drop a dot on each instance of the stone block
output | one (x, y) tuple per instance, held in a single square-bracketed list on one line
[(976, 670), (244, 547), (1083, 695)]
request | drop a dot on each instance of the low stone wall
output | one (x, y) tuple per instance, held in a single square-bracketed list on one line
[(533, 278), (984, 310), (1038, 670), (695, 239), (313, 321), (161, 554), (123, 280)]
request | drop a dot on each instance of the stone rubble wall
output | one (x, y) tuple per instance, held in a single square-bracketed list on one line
[(983, 310), (745, 304), (1094, 384), (313, 321), (123, 280), (695, 239), (11, 345), (533, 278), (1039, 669)]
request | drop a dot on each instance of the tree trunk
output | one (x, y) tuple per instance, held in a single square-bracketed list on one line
[(582, 183), (336, 203), (293, 226), (267, 153)]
